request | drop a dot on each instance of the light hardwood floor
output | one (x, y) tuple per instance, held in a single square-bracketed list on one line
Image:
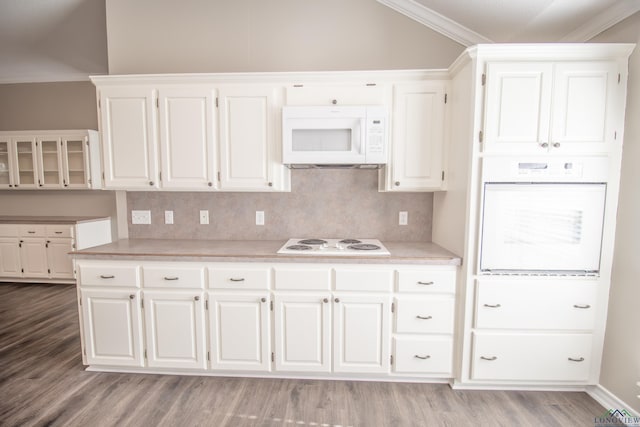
[(43, 382)]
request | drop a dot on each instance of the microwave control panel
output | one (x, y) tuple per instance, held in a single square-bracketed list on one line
[(376, 135)]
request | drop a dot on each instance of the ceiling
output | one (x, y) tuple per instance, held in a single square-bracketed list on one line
[(64, 40)]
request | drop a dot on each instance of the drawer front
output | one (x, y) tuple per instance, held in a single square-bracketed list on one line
[(8, 230), (531, 357), (239, 278), (427, 281), (59, 231), (433, 355), (109, 275), (423, 316), (173, 277), (35, 230), (303, 278), (553, 305), (377, 280)]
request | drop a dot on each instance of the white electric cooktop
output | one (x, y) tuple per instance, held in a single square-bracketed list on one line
[(352, 247)]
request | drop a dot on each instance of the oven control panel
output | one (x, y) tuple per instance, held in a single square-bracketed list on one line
[(535, 169)]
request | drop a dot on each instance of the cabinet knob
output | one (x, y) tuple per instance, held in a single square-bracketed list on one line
[(326, 300), (16, 185), (337, 300), (271, 184), (544, 145), (132, 296), (10, 186), (263, 299), (150, 182), (556, 145), (210, 184), (397, 183), (334, 101), (197, 298)]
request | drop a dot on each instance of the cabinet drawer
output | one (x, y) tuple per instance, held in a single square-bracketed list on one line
[(424, 315), (239, 278), (433, 355), (109, 275), (8, 230), (303, 278), (28, 230), (380, 280), (173, 277), (59, 231), (532, 304), (531, 357), (427, 281)]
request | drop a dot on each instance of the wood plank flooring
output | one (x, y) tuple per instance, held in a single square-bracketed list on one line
[(43, 383)]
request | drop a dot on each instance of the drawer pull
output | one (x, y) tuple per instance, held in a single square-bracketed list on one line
[(31, 232), (580, 359), (236, 280), (490, 359), (417, 356), (582, 306), (171, 278), (102, 276), (492, 305), (425, 283), (58, 232), (424, 317)]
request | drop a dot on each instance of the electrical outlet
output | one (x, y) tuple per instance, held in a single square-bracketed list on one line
[(168, 217), (140, 217), (259, 217), (204, 217), (403, 218)]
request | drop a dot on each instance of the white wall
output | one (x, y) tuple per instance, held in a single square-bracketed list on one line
[(621, 359), (160, 36)]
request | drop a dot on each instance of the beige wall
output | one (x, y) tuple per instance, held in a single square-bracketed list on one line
[(44, 106), (621, 362), (159, 36)]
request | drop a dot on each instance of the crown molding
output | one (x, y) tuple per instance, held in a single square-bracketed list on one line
[(45, 78), (436, 22), (602, 22)]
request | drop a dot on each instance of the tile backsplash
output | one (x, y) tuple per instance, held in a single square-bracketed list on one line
[(322, 203)]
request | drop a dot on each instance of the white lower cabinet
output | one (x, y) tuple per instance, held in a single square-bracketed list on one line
[(361, 329), (313, 319), (33, 253), (531, 357), (10, 257), (174, 327), (112, 327), (59, 263), (239, 331), (302, 332)]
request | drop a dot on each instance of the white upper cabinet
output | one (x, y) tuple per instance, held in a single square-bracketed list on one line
[(187, 137), (129, 137), (250, 138), (332, 94), (418, 138), (539, 107), (25, 174), (50, 162), (7, 168)]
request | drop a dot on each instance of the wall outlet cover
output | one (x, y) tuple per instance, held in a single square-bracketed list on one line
[(204, 217), (140, 217), (403, 218), (259, 217), (168, 217)]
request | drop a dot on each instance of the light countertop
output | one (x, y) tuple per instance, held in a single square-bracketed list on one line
[(258, 251), (49, 219)]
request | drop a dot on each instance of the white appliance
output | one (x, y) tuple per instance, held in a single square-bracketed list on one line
[(316, 136), (331, 247), (542, 216)]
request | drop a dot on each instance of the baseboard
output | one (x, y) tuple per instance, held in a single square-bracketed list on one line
[(609, 400)]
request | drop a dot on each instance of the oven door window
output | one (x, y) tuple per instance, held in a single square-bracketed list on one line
[(542, 227)]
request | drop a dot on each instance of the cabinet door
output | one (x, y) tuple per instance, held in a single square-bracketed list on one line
[(584, 107), (25, 160), (187, 138), (75, 165), (49, 162), (10, 257), (6, 163), (517, 107), (33, 257), (60, 265), (303, 332), (112, 327), (361, 333), (239, 328), (249, 137), (418, 137), (174, 324), (129, 139)]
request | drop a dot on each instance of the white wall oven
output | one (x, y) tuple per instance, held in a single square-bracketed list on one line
[(542, 216)]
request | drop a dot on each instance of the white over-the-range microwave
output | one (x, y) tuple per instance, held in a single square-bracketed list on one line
[(331, 136)]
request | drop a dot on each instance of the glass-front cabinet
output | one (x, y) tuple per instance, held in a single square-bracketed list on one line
[(50, 160)]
